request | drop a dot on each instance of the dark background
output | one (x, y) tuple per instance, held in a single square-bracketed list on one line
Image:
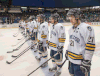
[(56, 3)]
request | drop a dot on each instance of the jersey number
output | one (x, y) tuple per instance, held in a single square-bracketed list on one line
[(90, 40), (71, 43)]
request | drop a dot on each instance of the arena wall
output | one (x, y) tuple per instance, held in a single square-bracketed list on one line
[(15, 25)]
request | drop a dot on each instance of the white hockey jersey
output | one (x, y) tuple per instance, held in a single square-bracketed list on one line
[(57, 36), (43, 33), (81, 43), (31, 27), (24, 24), (38, 30), (35, 26), (21, 23), (28, 24)]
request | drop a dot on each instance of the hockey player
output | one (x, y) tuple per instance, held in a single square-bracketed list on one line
[(56, 43), (35, 28), (42, 38), (81, 45), (20, 25), (33, 31), (28, 24)]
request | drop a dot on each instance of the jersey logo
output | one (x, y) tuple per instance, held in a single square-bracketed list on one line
[(75, 38), (90, 39), (61, 27), (52, 32), (89, 28), (43, 26)]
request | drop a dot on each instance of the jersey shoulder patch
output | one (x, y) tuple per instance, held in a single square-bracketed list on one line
[(61, 27), (43, 26), (89, 28)]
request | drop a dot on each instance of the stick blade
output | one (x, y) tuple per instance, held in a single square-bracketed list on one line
[(9, 51), (14, 36), (19, 39), (13, 56), (8, 62), (15, 49)]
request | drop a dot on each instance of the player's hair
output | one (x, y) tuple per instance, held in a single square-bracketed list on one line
[(75, 12), (42, 17), (55, 16), (31, 17)]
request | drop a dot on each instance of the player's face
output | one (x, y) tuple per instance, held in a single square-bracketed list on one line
[(38, 19), (22, 19), (72, 20), (52, 20)]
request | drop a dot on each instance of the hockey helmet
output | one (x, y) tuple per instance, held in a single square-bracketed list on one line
[(75, 12), (41, 16), (31, 17), (55, 16)]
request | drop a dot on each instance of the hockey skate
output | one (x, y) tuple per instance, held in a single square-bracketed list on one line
[(38, 59), (44, 65), (53, 69), (57, 73)]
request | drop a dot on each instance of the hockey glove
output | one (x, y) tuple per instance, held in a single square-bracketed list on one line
[(60, 49), (85, 66), (33, 34), (40, 45)]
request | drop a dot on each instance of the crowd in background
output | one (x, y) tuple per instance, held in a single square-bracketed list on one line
[(92, 15)]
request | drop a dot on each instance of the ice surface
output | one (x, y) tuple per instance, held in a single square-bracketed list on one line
[(27, 62)]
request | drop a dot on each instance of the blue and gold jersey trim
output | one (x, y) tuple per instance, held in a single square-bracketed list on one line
[(52, 45), (62, 40), (90, 47), (75, 56), (43, 36)]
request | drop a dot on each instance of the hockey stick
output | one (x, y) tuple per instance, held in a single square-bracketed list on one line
[(43, 63), (21, 38), (19, 55), (18, 47), (16, 34), (18, 43), (62, 65)]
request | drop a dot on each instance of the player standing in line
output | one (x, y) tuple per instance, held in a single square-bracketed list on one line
[(42, 38), (56, 43), (31, 29), (20, 25), (28, 24), (81, 45)]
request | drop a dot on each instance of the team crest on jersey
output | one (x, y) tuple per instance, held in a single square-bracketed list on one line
[(89, 28), (61, 27), (43, 26)]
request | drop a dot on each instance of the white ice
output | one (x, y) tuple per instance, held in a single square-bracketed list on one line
[(27, 62)]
